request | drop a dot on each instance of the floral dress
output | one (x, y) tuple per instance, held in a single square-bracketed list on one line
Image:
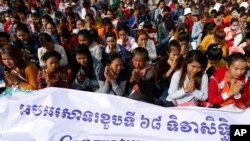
[(57, 79)]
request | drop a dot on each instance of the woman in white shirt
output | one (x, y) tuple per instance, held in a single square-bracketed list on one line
[(142, 40), (190, 84), (48, 44), (125, 40)]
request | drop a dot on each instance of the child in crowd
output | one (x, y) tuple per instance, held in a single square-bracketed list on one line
[(141, 84), (214, 55), (52, 75)]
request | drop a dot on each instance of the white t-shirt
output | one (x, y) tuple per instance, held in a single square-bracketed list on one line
[(150, 48), (64, 60)]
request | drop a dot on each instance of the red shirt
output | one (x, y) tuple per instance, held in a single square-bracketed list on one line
[(189, 21), (70, 45), (6, 26), (216, 89)]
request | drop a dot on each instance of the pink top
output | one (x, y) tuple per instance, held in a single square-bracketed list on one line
[(234, 39)]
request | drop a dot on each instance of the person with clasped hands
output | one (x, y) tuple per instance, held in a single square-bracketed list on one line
[(228, 86)]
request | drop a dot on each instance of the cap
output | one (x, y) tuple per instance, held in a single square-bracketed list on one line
[(187, 11)]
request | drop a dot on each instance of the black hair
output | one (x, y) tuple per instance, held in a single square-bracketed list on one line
[(65, 34), (33, 15), (34, 6), (181, 27), (22, 27), (142, 52), (247, 52), (160, 2), (110, 10), (248, 25), (52, 3), (45, 37), (86, 3), (122, 2), (5, 35), (235, 57), (166, 8), (68, 10), (213, 52), (71, 14), (52, 23), (248, 35), (173, 44), (106, 21), (21, 10), (208, 27), (16, 17), (213, 11), (51, 53), (46, 5), (93, 34), (110, 34), (241, 9), (123, 28), (84, 33), (47, 18), (58, 13), (147, 24), (183, 36), (219, 13), (234, 20), (243, 14), (198, 56), (170, 25), (235, 6), (83, 49), (112, 56), (90, 15), (81, 20)]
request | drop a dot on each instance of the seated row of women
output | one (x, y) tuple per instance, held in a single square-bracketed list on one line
[(172, 81)]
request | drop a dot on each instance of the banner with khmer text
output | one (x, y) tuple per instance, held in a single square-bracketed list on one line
[(55, 114)]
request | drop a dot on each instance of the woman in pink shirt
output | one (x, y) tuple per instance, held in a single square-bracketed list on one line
[(233, 33)]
